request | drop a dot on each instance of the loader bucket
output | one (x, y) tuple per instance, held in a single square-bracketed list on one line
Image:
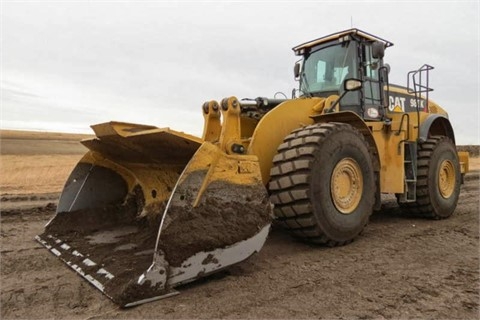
[(149, 209)]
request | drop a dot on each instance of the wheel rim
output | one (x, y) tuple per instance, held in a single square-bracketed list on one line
[(446, 179), (346, 185)]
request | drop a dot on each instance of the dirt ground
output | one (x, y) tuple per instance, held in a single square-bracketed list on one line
[(400, 267)]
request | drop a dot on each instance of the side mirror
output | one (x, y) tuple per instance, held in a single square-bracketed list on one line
[(348, 86), (352, 84), (296, 70), (378, 50)]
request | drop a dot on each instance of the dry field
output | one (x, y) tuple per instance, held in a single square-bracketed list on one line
[(27, 174), (37, 162), (14, 142), (401, 267)]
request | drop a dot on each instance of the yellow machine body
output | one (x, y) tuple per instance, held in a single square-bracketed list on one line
[(148, 209)]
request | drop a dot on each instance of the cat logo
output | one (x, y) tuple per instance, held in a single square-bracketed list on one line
[(397, 103), (397, 108)]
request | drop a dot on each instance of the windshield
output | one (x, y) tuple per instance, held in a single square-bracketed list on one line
[(325, 69)]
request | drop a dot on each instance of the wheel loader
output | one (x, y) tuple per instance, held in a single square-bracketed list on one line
[(148, 209)]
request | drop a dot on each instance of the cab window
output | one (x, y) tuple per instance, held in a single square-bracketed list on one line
[(324, 70)]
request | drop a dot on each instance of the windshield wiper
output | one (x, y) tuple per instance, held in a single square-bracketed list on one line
[(307, 86)]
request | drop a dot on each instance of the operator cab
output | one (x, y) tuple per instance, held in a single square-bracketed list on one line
[(352, 54)]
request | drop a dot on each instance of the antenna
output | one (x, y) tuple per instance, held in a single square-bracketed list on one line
[(351, 22)]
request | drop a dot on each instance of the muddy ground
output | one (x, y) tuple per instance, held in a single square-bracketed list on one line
[(400, 267)]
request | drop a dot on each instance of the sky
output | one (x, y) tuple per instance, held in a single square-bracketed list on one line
[(66, 65)]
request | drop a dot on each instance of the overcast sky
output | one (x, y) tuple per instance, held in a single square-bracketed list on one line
[(68, 64)]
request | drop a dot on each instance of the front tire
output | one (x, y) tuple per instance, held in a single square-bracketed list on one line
[(323, 183)]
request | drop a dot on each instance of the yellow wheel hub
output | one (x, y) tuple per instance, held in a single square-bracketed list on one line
[(346, 185), (446, 178)]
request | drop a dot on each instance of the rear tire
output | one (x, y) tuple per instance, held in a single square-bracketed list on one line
[(323, 183), (438, 179)]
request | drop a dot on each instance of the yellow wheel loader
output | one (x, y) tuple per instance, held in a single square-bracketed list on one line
[(149, 209)]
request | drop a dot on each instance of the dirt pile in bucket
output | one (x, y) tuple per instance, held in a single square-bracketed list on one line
[(226, 215), (122, 237)]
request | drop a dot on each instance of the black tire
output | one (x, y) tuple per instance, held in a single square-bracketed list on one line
[(436, 199), (302, 177)]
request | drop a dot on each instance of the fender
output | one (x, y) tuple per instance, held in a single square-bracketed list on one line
[(436, 124), (347, 117)]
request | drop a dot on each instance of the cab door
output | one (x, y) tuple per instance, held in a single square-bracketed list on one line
[(372, 86)]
